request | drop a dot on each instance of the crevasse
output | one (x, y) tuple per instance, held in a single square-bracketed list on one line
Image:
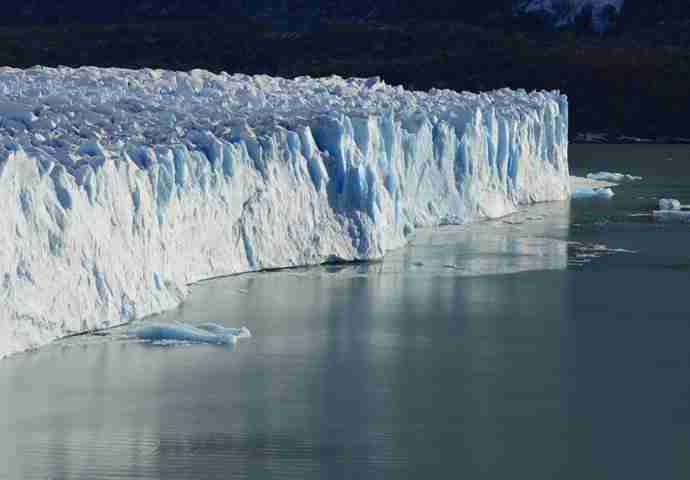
[(120, 188)]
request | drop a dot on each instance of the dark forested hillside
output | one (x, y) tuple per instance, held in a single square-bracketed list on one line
[(69, 11), (646, 12), (633, 80), (635, 13)]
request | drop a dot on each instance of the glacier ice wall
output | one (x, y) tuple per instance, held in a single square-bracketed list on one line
[(120, 188)]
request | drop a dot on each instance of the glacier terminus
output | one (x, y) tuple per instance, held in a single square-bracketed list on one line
[(121, 188)]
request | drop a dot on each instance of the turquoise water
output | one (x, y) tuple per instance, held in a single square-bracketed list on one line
[(551, 345)]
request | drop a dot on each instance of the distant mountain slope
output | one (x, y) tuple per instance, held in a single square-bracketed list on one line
[(300, 14), (601, 13), (68, 11)]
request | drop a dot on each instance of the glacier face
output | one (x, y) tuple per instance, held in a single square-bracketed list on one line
[(120, 188)]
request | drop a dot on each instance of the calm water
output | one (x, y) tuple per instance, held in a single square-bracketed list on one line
[(500, 350)]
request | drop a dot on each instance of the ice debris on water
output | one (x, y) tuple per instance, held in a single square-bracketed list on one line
[(580, 253), (612, 177), (130, 185), (178, 332), (669, 204), (672, 211), (586, 192)]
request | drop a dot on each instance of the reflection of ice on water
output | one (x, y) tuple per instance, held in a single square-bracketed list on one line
[(533, 239)]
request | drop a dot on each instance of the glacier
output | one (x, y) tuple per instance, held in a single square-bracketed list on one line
[(122, 188)]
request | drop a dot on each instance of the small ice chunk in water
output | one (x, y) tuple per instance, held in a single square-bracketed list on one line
[(203, 333), (671, 210), (242, 332), (586, 192), (669, 204), (612, 177)]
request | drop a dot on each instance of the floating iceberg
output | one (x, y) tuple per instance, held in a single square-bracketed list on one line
[(586, 192), (669, 204), (671, 210), (204, 333), (120, 188), (612, 177)]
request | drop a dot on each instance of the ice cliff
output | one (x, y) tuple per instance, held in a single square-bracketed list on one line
[(119, 188)]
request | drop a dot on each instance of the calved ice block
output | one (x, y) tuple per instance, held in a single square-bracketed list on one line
[(669, 204)]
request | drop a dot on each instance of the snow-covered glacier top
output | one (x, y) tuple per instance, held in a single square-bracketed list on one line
[(120, 187), (66, 111)]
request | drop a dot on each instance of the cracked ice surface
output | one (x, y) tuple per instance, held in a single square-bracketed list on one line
[(119, 188)]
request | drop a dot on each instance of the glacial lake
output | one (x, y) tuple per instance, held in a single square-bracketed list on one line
[(553, 344)]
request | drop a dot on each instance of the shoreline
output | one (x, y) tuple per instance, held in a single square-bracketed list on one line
[(600, 138)]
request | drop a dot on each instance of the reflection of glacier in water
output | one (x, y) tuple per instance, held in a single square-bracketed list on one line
[(534, 238)]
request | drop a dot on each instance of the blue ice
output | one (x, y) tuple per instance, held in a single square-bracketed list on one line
[(179, 332), (586, 192)]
